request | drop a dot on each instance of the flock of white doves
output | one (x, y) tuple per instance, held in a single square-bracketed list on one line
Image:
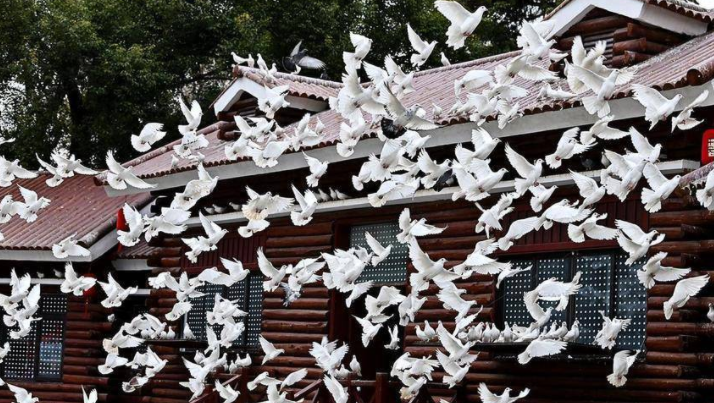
[(399, 175)]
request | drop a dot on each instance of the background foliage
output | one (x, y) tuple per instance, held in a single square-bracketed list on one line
[(86, 74)]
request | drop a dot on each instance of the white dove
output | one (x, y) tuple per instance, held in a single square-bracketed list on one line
[(31, 204), (541, 195), (529, 173), (273, 100), (260, 206), (489, 397), (588, 189), (150, 134), (201, 244), (248, 61), (116, 294), (592, 229), (685, 289), (427, 269), (269, 350), (621, 363), (611, 328), (705, 196), (660, 188), (654, 271), (120, 177), (274, 276), (540, 348), (9, 171), (308, 204), (414, 228), (423, 49), (135, 222), (568, 147), (22, 395), (73, 284), (635, 241), (317, 170), (337, 391), (236, 273), (112, 361), (380, 252), (684, 120), (193, 116), (171, 221), (657, 107), (69, 247), (369, 330), (463, 22), (603, 87)]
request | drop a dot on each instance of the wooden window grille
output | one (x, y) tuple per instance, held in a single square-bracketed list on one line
[(393, 269), (38, 356), (607, 285)]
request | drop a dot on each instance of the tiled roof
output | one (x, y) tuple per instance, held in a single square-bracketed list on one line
[(683, 7), (142, 250), (76, 206), (688, 64)]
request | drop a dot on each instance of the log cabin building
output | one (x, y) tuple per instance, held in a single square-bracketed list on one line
[(63, 350), (672, 45)]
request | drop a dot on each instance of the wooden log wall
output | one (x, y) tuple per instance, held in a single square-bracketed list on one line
[(629, 41)]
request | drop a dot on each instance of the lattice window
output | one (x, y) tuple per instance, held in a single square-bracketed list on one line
[(607, 285), (631, 302), (393, 269), (557, 268), (595, 294), (39, 354), (247, 295), (514, 308)]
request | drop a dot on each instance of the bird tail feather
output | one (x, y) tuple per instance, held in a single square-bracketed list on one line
[(552, 161), (575, 233), (651, 200), (617, 381)]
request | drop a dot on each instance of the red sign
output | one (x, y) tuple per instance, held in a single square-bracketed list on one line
[(708, 147)]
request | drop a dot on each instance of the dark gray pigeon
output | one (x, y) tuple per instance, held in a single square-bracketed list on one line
[(299, 59)]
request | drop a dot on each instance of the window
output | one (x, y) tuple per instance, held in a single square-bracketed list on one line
[(393, 269), (248, 296), (38, 356), (607, 285)]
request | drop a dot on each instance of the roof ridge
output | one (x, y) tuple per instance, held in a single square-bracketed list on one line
[(455, 66), (294, 77)]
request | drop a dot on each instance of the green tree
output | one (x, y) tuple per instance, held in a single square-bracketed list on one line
[(88, 73)]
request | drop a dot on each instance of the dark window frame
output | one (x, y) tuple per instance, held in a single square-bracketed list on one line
[(243, 344), (38, 334), (570, 312)]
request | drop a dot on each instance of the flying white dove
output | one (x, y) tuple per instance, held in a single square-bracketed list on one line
[(236, 273), (568, 147), (31, 204), (116, 294), (603, 87), (541, 348), (529, 173), (193, 116), (73, 284), (489, 397), (657, 107), (307, 203), (120, 177), (606, 337), (414, 228), (621, 363), (269, 350), (317, 170), (423, 49), (654, 271), (590, 227), (660, 188), (463, 22), (135, 222), (684, 120), (685, 289), (635, 241), (150, 134), (69, 247)]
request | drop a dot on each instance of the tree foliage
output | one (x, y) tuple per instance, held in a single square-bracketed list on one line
[(86, 74)]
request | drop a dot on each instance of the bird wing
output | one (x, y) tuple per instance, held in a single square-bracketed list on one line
[(394, 106), (518, 162), (486, 395), (633, 231), (296, 49), (420, 260), (373, 243), (531, 36), (578, 51), (590, 79), (689, 287), (265, 266), (650, 98), (294, 377), (417, 43), (336, 390), (540, 348), (267, 346), (640, 142), (453, 11), (585, 185), (310, 62), (531, 301), (654, 176)]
